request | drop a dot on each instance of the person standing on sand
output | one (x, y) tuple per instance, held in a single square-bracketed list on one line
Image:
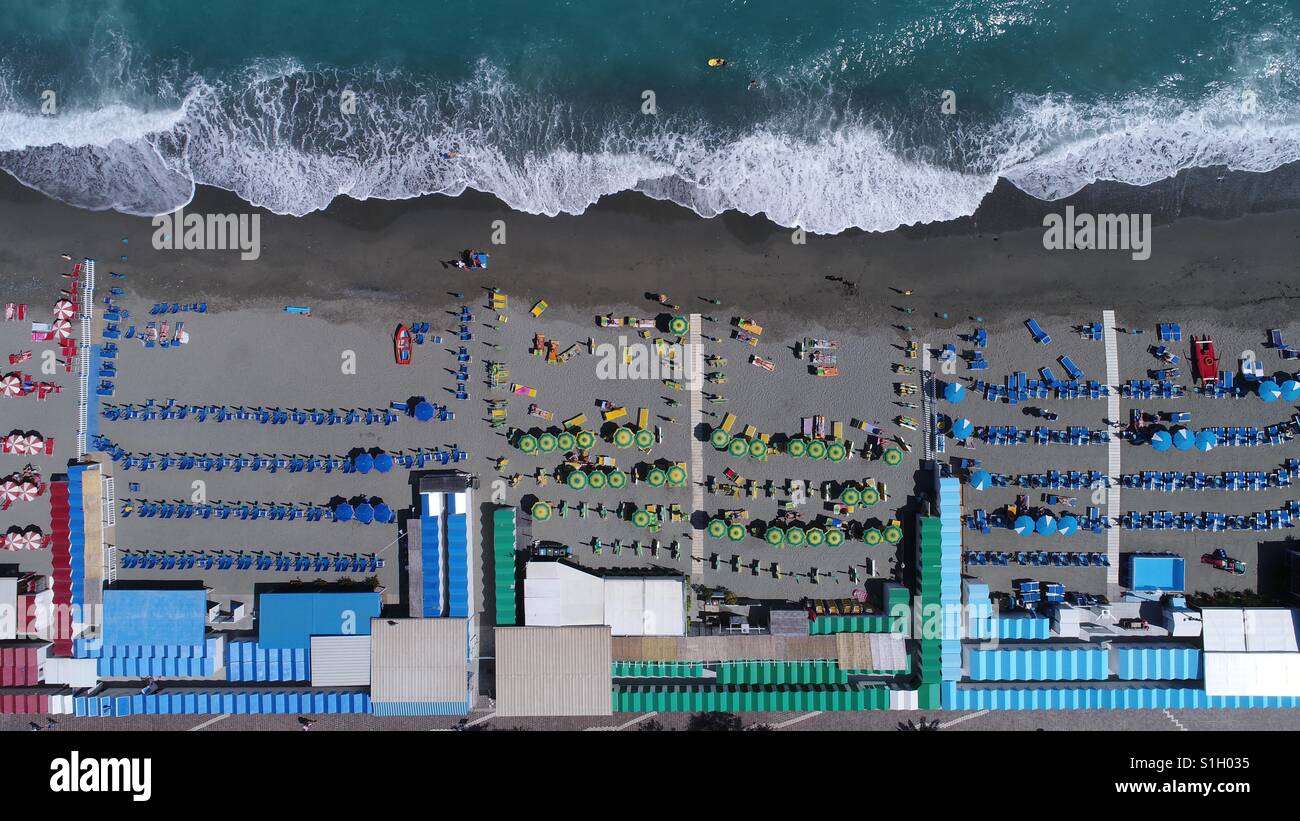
[(306, 722)]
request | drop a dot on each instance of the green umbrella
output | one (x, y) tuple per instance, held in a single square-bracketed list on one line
[(676, 475), (892, 456), (774, 536), (796, 447), (576, 479), (541, 511), (624, 437), (835, 537), (617, 479), (816, 449), (872, 536), (586, 439), (794, 536), (893, 534), (656, 477), (816, 536), (758, 449), (851, 496), (546, 442), (738, 447), (717, 528), (527, 443), (596, 479), (719, 439), (678, 326), (565, 441), (836, 452), (641, 518), (870, 496), (736, 532), (645, 439)]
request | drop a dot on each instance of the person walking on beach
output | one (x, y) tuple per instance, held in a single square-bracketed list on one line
[(306, 722)]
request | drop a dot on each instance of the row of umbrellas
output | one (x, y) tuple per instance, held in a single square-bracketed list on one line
[(30, 539), (24, 443), (1046, 525), (19, 491), (1184, 439), (364, 512), (381, 462), (1271, 391)]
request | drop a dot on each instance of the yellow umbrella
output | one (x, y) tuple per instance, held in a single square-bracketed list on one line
[(774, 536), (816, 536), (717, 528), (676, 475), (624, 437), (586, 439), (834, 537), (872, 536), (541, 511), (617, 479), (794, 536), (596, 479)]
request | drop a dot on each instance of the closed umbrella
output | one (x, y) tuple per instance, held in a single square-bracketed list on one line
[(1290, 390), (953, 392), (364, 462), (1024, 525), (1046, 525), (1183, 439), (365, 513), (1269, 390), (423, 411), (343, 512), (961, 429), (1161, 440), (1206, 440), (383, 462), (1068, 525), (981, 479)]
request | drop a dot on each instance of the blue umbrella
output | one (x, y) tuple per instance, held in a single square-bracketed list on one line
[(1068, 525), (363, 463), (424, 411), (980, 479), (1206, 440), (383, 513), (954, 393), (365, 513), (343, 512), (962, 428), (1046, 525), (1269, 390), (1161, 440), (1183, 439), (1290, 390), (1024, 525), (383, 462)]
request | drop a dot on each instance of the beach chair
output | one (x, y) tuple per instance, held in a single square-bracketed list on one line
[(1040, 336)]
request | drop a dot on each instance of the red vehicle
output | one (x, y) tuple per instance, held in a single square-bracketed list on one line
[(402, 345), (1205, 361)]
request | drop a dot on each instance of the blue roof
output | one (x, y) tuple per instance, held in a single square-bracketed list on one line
[(291, 619), (151, 617)]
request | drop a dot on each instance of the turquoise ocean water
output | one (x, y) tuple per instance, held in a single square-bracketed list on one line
[(541, 103)]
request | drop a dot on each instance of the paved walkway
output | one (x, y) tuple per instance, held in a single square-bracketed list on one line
[(1113, 467), (695, 378), (927, 404)]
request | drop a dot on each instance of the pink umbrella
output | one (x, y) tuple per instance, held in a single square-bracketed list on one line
[(33, 443), (27, 491), (18, 444), (31, 540), (11, 384), (64, 309), (9, 491), (10, 541), (62, 329)]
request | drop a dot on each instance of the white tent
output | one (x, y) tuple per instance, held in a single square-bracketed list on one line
[(1251, 651)]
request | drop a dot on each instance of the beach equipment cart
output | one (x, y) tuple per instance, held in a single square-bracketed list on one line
[(716, 528), (538, 307), (541, 511)]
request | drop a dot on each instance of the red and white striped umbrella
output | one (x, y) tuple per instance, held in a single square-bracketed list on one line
[(32, 540), (27, 491), (64, 309), (11, 541), (62, 329), (11, 384), (11, 442), (33, 443), (9, 491)]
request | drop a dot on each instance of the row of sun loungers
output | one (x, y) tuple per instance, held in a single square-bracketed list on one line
[(297, 564), (247, 512), (1020, 388), (1012, 435), (178, 307), (266, 416), (1037, 558), (979, 519), (1213, 522), (1055, 479), (271, 464), (1146, 389), (1228, 480)]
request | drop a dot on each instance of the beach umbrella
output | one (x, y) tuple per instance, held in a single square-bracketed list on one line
[(546, 442), (423, 411), (1161, 440), (676, 475), (795, 536), (816, 537), (576, 479), (645, 439), (870, 496), (757, 449), (383, 513), (893, 534), (1206, 440), (774, 536), (837, 451), (716, 529), (892, 456), (816, 449), (383, 462), (834, 537), (678, 326), (719, 438), (586, 440), (872, 536), (18, 444), (738, 447), (11, 385), (1269, 390), (33, 443), (527, 443), (656, 477), (541, 511), (851, 496), (953, 392), (28, 491), (617, 479), (9, 491), (624, 437), (1290, 390), (565, 441), (62, 329), (29, 540), (961, 429), (797, 447), (63, 309), (1068, 525), (1183, 439), (365, 513), (1024, 525), (343, 512), (980, 479), (736, 532), (597, 479), (1046, 525), (363, 462), (641, 518)]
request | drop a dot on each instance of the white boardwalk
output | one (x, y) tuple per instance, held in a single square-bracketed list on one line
[(1113, 468), (695, 381)]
